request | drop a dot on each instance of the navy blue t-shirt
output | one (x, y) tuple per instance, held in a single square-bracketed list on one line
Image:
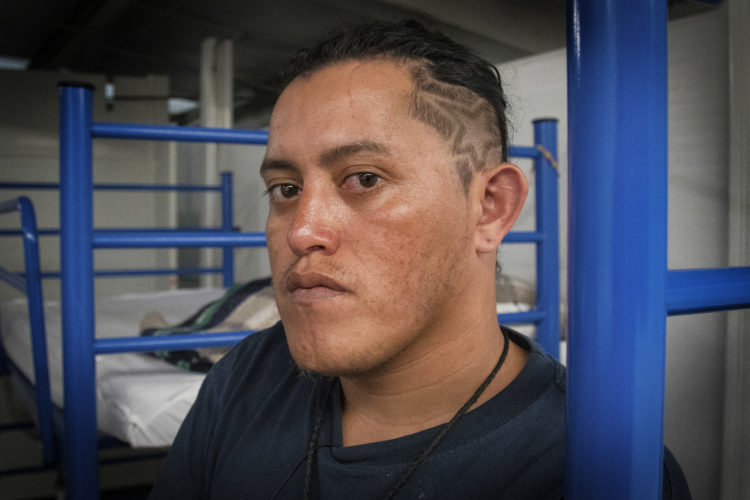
[(248, 431)]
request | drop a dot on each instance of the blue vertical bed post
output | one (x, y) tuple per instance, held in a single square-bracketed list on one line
[(617, 111), (36, 321), (77, 287), (227, 218), (548, 258)]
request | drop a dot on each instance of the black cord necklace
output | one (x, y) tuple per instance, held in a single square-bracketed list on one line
[(426, 452)]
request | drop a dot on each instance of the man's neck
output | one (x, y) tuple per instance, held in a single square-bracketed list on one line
[(426, 388)]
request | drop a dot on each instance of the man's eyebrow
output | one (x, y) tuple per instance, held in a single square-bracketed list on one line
[(328, 156), (365, 146), (276, 164)]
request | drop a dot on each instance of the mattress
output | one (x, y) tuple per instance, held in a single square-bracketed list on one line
[(141, 400)]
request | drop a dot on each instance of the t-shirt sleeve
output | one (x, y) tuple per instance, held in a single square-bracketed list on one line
[(674, 484), (184, 473)]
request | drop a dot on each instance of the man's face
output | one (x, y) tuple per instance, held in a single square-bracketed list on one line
[(369, 229)]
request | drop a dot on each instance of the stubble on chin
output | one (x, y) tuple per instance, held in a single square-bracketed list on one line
[(342, 361), (348, 368)]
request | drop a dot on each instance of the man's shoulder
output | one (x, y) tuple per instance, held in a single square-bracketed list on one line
[(541, 368), (269, 340), (259, 359)]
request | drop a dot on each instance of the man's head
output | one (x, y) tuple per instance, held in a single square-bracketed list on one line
[(381, 249), (455, 91)]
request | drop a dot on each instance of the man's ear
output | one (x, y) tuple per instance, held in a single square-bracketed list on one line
[(500, 192)]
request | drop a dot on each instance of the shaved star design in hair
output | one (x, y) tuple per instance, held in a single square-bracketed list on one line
[(462, 118)]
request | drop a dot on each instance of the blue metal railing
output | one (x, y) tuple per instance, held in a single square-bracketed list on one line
[(620, 290), (704, 290), (546, 316), (224, 189), (31, 285), (26, 281), (54, 186), (227, 225), (79, 344)]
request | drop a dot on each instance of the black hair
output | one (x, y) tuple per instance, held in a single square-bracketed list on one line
[(436, 56)]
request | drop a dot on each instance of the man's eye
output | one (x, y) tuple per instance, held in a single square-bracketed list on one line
[(362, 181), (283, 191)]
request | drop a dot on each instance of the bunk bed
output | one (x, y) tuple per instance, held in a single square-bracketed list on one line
[(31, 342), (87, 355)]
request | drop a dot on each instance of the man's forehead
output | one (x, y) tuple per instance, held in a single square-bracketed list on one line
[(348, 79), (351, 97)]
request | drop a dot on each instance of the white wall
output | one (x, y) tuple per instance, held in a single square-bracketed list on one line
[(736, 463), (29, 152), (698, 159), (698, 215)]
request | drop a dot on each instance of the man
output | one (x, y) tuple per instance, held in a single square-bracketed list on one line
[(388, 376)]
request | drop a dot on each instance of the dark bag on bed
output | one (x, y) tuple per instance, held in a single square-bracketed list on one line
[(213, 316)]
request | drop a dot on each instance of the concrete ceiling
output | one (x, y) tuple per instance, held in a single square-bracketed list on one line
[(138, 37)]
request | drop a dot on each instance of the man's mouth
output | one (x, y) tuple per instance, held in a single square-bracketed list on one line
[(312, 287)]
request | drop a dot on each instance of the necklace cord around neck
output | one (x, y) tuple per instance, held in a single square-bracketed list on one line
[(426, 452), (315, 437)]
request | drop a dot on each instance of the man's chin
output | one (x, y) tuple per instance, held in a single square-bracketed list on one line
[(333, 370), (336, 354), (347, 366)]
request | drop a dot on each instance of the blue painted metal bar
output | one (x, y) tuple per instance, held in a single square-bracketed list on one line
[(113, 273), (703, 290), (112, 187), (35, 306), (548, 254), (617, 112), (160, 229), (138, 239), (168, 342), (56, 232), (154, 187), (29, 185), (31, 284), (174, 133), (522, 318), (523, 237), (77, 286), (227, 224), (523, 152), (18, 232)]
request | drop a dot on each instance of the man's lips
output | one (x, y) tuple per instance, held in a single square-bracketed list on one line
[(312, 286)]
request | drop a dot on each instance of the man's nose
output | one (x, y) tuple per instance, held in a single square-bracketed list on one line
[(314, 225)]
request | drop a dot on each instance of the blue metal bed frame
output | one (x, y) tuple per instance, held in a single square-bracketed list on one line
[(48, 420), (224, 188)]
